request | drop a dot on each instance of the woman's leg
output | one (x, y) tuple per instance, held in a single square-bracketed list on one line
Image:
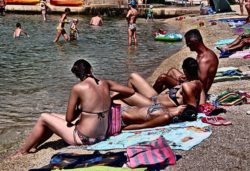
[(46, 125), (168, 80), (129, 37), (134, 36), (58, 34), (141, 86)]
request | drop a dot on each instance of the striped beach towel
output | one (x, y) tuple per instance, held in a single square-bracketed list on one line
[(156, 152)]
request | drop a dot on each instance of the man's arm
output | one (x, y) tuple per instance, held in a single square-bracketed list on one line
[(204, 73)]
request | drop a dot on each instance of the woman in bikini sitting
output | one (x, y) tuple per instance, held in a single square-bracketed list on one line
[(86, 119), (187, 96)]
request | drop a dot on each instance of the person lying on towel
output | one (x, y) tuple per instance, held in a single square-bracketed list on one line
[(241, 42), (150, 109)]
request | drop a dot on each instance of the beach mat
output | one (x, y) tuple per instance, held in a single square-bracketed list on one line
[(236, 74), (180, 136), (229, 19)]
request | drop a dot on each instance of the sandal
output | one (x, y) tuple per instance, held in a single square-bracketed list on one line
[(223, 121), (211, 120)]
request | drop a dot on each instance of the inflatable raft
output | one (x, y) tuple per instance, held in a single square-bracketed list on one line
[(22, 2), (170, 37), (67, 2)]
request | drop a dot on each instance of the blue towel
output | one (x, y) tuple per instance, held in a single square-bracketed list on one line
[(182, 136)]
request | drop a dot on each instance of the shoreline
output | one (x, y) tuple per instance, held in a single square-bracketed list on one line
[(227, 148)]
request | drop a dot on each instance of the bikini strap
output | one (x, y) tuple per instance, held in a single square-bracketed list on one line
[(92, 76)]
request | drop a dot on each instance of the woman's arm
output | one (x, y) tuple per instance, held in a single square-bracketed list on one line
[(157, 121), (71, 115)]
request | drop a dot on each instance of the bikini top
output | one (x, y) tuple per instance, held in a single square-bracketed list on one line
[(100, 114), (172, 94)]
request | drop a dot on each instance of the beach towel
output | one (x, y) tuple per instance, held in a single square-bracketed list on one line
[(225, 54), (156, 152), (229, 74), (103, 168), (224, 41), (231, 98), (182, 136), (240, 54), (72, 160)]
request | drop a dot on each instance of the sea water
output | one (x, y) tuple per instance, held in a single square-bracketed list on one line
[(35, 73)]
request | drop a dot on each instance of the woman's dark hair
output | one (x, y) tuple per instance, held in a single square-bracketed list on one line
[(67, 10), (191, 67), (82, 70)]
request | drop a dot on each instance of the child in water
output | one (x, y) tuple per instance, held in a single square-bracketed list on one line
[(44, 9), (18, 31), (150, 13), (73, 30)]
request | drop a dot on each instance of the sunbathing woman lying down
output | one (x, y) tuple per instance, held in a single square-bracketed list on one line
[(167, 106)]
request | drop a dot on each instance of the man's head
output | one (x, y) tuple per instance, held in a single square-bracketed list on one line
[(193, 39)]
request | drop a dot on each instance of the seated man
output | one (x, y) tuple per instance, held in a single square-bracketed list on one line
[(240, 42), (206, 58)]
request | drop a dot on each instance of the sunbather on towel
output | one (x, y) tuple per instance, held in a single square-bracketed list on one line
[(86, 119), (189, 92), (152, 109), (206, 58), (240, 42)]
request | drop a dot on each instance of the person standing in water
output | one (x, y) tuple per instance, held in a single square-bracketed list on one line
[(73, 33), (131, 19), (60, 28), (96, 21), (44, 10), (19, 31)]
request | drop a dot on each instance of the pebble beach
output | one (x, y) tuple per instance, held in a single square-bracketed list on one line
[(228, 147)]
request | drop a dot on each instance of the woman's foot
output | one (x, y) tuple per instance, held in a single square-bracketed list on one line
[(17, 154)]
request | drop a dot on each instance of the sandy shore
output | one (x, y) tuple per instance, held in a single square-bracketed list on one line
[(228, 147)]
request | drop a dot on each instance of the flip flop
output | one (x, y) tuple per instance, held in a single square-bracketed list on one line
[(212, 121), (223, 121)]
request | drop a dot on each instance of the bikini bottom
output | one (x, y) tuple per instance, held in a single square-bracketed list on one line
[(86, 140)]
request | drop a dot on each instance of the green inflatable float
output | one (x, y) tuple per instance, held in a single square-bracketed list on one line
[(170, 37)]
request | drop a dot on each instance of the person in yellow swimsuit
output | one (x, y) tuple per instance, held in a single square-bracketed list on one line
[(60, 28)]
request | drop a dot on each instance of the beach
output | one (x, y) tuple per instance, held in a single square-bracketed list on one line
[(227, 148)]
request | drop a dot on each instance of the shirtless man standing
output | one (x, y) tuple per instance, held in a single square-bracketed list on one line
[(96, 21), (131, 18), (206, 58)]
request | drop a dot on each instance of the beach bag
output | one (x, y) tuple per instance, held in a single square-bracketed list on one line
[(155, 153), (114, 120)]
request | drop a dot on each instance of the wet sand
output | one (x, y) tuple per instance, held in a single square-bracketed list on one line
[(228, 147)]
